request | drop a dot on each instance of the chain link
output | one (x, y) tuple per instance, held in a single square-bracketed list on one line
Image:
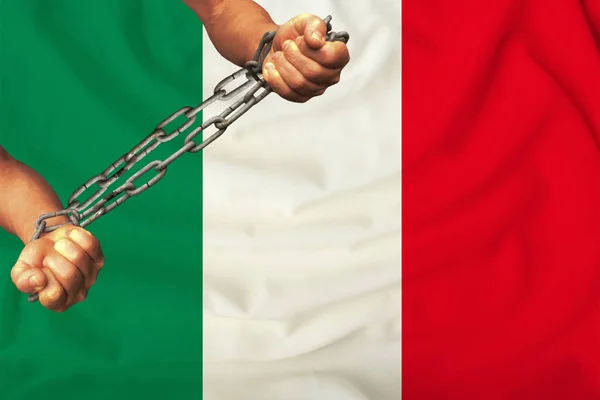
[(245, 96)]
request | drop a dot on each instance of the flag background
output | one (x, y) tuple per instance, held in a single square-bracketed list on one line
[(293, 214), (81, 84), (501, 200), (301, 228)]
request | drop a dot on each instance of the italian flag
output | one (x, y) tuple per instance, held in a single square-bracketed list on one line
[(263, 268)]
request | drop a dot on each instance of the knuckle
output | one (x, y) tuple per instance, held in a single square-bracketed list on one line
[(291, 97), (288, 96), (284, 92), (23, 282), (73, 278), (17, 270), (29, 251), (81, 296), (52, 301), (66, 273), (83, 238), (313, 73), (62, 231), (79, 230), (278, 59), (76, 255), (53, 295), (297, 82), (330, 57), (333, 54), (313, 19), (291, 52), (93, 240), (79, 258), (304, 16)]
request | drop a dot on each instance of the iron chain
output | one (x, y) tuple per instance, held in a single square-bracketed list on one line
[(246, 95)]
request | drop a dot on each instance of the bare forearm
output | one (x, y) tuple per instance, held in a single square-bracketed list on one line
[(24, 196), (235, 27)]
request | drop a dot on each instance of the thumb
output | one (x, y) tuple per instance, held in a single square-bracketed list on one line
[(27, 274), (314, 28), (28, 279)]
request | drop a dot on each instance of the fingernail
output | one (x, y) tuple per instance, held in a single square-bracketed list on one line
[(317, 36), (270, 68), (286, 45), (64, 247), (34, 281)]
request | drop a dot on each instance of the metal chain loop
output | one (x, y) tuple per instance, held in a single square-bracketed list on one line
[(246, 95)]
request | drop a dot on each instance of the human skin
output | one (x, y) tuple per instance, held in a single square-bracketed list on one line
[(62, 265), (301, 64)]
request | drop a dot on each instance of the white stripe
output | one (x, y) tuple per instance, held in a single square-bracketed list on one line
[(302, 228)]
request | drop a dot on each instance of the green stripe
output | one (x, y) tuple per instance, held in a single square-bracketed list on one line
[(82, 83)]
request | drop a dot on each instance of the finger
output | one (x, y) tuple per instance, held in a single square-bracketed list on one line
[(68, 276), (310, 69), (293, 78), (88, 243), (78, 257), (332, 55), (26, 274), (278, 85), (28, 279), (53, 297), (313, 27), (34, 252)]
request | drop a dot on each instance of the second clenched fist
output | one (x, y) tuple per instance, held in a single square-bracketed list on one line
[(61, 266)]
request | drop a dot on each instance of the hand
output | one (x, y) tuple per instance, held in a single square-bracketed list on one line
[(301, 64), (61, 266)]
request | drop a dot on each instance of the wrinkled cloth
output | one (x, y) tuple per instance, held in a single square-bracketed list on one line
[(501, 197), (302, 228)]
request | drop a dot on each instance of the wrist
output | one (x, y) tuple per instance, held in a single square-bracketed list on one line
[(26, 231), (235, 27), (25, 195), (254, 36)]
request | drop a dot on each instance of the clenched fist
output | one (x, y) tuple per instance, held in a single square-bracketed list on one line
[(61, 266), (302, 64)]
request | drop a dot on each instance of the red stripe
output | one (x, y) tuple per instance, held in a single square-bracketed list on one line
[(501, 199)]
